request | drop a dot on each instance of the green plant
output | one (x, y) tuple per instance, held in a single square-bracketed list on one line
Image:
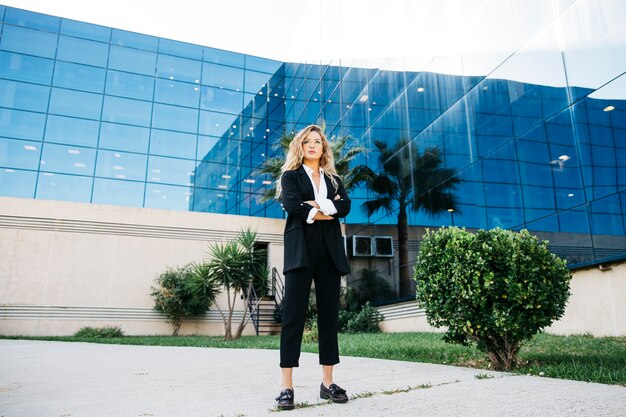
[(310, 334), (183, 292), (372, 287), (409, 180), (100, 332), (233, 266), (364, 320), (496, 288)]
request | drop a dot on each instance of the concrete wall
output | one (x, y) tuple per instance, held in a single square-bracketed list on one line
[(66, 265), (597, 306)]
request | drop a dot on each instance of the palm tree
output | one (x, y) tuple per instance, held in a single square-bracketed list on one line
[(343, 158), (409, 180)]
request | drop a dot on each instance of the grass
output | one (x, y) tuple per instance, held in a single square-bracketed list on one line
[(582, 358)]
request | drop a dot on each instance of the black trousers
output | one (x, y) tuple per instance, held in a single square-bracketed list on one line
[(295, 303)]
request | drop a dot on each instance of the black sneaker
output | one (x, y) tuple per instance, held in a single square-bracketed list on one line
[(334, 393), (285, 400)]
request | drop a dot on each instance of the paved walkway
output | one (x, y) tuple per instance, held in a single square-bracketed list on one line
[(56, 379)]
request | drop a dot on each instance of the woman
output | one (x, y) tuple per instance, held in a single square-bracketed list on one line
[(314, 198)]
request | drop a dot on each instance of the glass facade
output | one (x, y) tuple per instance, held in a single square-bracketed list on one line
[(535, 131)]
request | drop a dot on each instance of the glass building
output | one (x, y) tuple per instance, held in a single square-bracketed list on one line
[(535, 132)]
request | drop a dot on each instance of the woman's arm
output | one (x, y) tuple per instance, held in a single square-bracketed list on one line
[(342, 202), (291, 198)]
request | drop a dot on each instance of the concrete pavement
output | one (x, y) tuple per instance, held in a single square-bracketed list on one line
[(57, 379)]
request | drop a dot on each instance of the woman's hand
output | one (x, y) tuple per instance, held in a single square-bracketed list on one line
[(313, 203), (321, 216)]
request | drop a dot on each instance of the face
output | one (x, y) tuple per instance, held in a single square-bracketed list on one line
[(312, 146)]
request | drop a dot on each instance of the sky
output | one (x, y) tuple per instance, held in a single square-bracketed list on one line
[(369, 31), (520, 40)]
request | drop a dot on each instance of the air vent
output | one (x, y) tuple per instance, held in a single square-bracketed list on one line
[(383, 246), (361, 245)]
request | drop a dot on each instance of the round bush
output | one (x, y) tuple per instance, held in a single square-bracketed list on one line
[(496, 288)]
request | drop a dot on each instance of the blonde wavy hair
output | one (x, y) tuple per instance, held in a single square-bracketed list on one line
[(295, 156)]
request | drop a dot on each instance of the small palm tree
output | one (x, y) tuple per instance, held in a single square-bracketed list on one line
[(233, 266), (343, 154), (409, 180)]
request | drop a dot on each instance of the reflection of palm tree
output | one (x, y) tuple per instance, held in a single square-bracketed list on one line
[(409, 180), (343, 157)]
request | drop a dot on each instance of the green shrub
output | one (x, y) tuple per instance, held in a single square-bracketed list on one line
[(310, 334), (100, 332), (496, 288), (184, 292), (364, 320)]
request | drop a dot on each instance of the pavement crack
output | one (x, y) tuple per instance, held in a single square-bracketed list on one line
[(368, 394)]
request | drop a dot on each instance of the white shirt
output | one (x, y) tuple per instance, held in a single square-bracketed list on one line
[(321, 196)]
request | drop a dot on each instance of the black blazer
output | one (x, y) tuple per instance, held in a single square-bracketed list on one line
[(296, 189)]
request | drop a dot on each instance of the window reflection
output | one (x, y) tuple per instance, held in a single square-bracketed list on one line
[(118, 192), (121, 165), (70, 130), (17, 183), (68, 159), (54, 186), (168, 197)]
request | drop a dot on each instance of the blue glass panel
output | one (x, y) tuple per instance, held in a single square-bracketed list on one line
[(543, 223), (219, 124), (503, 195), (130, 85), (219, 56), (177, 48), (75, 103), (21, 124), (85, 30), (218, 176), (566, 198), (178, 69), (124, 110), (175, 144), (504, 218), (606, 216), (216, 99), (132, 60), (72, 131), (172, 92), (256, 63), (117, 192), (256, 81), (16, 183), (19, 154), (205, 146), (574, 221), (212, 201), (222, 76), (121, 165), (24, 96), (2, 10), (25, 68), (134, 40), (83, 51), (538, 197), (68, 159), (175, 118), (25, 18), (79, 77), (171, 170), (28, 41), (64, 187), (123, 137), (168, 197)]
